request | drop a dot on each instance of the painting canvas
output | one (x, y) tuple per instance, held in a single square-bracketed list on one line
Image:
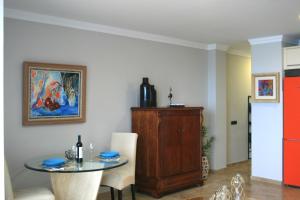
[(265, 87), (53, 93)]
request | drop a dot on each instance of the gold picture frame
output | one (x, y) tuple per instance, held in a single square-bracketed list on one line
[(53, 93), (265, 87)]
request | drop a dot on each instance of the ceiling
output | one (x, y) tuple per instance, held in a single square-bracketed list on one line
[(205, 21)]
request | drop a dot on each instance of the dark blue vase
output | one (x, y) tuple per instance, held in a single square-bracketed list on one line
[(145, 93)]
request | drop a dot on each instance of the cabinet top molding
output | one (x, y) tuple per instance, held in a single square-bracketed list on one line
[(166, 108)]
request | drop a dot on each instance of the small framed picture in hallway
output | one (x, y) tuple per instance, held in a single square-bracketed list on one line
[(265, 87)]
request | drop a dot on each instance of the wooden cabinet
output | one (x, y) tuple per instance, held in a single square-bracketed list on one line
[(291, 57), (169, 148)]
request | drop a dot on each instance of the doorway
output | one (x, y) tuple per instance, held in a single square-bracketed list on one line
[(238, 91)]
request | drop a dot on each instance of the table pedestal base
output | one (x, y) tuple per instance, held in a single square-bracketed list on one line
[(76, 186)]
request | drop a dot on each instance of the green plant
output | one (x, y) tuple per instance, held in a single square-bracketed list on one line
[(207, 141)]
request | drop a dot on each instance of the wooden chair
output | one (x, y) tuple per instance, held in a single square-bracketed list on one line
[(121, 177), (25, 194)]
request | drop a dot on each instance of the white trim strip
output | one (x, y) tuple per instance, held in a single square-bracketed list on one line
[(266, 180), (277, 38), (59, 21), (221, 47), (265, 40), (238, 53)]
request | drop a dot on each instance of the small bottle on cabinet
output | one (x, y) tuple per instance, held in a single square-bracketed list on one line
[(152, 96), (79, 152)]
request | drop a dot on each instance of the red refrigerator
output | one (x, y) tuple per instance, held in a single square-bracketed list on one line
[(291, 145)]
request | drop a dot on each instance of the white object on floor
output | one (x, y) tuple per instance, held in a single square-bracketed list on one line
[(223, 193), (237, 187)]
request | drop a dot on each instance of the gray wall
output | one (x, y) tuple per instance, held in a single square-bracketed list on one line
[(115, 65)]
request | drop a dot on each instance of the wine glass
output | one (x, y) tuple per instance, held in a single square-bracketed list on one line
[(91, 152)]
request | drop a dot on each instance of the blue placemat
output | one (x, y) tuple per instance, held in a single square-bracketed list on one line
[(109, 154), (53, 162)]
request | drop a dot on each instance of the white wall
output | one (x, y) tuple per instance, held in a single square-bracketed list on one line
[(267, 118), (238, 90), (115, 66)]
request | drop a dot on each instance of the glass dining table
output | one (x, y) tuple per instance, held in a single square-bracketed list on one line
[(75, 181)]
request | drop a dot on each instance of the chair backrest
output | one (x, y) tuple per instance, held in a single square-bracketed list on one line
[(125, 143), (9, 194)]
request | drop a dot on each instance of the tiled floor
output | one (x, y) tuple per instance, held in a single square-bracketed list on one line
[(255, 190)]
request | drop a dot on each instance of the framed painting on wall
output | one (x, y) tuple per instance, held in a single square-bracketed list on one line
[(53, 93), (265, 87)]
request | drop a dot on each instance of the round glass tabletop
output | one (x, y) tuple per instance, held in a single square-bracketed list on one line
[(71, 166)]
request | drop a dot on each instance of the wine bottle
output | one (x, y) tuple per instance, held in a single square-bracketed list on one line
[(79, 150)]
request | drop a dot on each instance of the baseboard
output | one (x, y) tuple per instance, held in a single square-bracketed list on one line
[(216, 170), (266, 180), (229, 165), (238, 162)]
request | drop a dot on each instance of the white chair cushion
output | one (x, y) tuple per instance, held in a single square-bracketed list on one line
[(9, 194), (118, 178), (34, 194)]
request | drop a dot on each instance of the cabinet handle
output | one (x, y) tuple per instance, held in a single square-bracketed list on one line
[(292, 65)]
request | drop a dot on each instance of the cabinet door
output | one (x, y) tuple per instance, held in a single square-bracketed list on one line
[(190, 135), (170, 145), (291, 162), (291, 107), (292, 57)]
